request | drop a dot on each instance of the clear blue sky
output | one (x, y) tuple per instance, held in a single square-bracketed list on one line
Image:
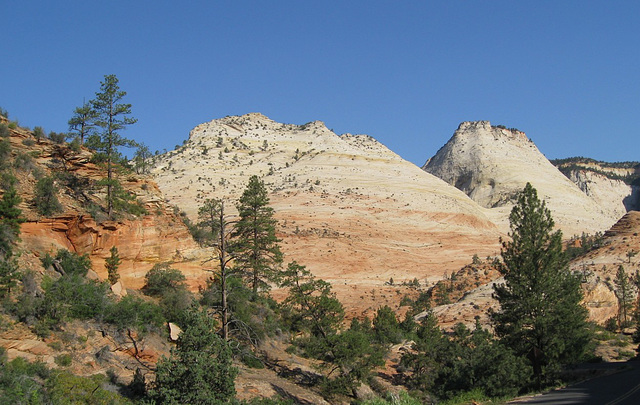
[(406, 73)]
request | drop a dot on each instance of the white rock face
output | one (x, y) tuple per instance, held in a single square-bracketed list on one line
[(491, 165), (351, 210), (616, 195)]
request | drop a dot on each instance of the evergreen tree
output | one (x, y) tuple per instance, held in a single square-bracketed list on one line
[(217, 228), (112, 116), (636, 313), (256, 246), (111, 264), (9, 275), (386, 327), (624, 294), (10, 220), (141, 159), (199, 370), (82, 123), (540, 315), (313, 309)]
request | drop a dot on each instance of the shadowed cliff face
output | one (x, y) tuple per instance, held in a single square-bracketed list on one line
[(350, 209), (492, 164)]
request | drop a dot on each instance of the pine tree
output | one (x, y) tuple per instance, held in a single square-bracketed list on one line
[(217, 228), (200, 369), (9, 275), (82, 124), (540, 315), (111, 264), (256, 245), (10, 220), (111, 117), (636, 312), (141, 159), (624, 294)]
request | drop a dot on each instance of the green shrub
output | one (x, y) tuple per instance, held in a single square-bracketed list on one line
[(45, 197), (66, 388), (133, 312), (168, 284), (57, 137), (5, 153), (19, 381), (162, 279), (386, 327), (38, 133), (75, 297), (24, 162), (70, 263), (4, 131), (63, 360)]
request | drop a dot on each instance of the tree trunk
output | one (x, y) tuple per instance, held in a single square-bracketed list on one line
[(223, 276)]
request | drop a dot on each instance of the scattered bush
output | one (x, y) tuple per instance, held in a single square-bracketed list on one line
[(38, 133), (4, 131), (162, 279), (63, 360), (135, 313), (45, 197), (58, 138), (169, 285)]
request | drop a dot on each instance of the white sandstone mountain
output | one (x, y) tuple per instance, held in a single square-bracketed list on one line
[(492, 164), (350, 209)]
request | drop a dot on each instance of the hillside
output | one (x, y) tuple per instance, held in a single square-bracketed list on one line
[(492, 164), (350, 209)]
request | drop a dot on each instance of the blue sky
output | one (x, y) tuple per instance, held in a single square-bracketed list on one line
[(406, 73)]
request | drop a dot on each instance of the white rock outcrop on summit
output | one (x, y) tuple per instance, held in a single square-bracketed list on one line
[(492, 164), (351, 210)]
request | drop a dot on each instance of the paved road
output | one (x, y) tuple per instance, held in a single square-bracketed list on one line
[(619, 388)]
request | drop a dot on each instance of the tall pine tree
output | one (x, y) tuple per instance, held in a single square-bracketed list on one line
[(111, 116), (540, 315), (255, 245), (217, 227)]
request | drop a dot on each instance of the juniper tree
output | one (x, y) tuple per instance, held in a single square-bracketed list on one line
[(256, 246), (540, 314), (112, 116)]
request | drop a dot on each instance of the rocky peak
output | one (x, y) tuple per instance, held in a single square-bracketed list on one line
[(491, 164)]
